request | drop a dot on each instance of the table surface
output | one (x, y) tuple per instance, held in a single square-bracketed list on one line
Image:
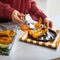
[(25, 51)]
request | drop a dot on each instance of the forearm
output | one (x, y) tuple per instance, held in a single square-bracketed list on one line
[(36, 11), (5, 10)]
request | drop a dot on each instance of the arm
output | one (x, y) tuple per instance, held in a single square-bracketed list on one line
[(5, 10), (35, 12)]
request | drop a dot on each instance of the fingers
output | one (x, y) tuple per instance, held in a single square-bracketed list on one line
[(47, 24), (50, 24), (21, 16), (17, 17), (17, 20)]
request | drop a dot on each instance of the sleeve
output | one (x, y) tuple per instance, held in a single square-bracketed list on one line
[(5, 10), (35, 12)]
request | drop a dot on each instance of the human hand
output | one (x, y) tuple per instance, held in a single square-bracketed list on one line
[(48, 23), (17, 17)]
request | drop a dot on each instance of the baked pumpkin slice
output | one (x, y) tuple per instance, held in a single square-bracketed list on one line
[(39, 22), (38, 32), (9, 33), (6, 40), (23, 27)]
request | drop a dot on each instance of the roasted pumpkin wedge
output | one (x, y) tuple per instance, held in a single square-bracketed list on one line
[(5, 40), (23, 27), (39, 22), (38, 32), (7, 33)]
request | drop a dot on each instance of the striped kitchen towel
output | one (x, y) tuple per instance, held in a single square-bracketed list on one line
[(51, 44)]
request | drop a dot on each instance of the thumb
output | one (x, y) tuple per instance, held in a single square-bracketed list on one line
[(47, 25), (21, 15)]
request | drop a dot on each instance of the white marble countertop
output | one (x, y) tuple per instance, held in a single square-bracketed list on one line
[(25, 51)]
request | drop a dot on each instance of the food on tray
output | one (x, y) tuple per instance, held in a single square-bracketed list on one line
[(23, 27), (4, 46), (42, 32), (7, 33), (38, 30), (39, 22), (5, 40), (35, 33), (6, 36)]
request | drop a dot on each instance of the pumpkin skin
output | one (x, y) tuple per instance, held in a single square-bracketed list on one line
[(4, 46)]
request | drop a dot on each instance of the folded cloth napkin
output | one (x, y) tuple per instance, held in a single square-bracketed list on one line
[(51, 44)]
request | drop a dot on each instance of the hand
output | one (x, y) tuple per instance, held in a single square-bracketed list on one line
[(48, 23), (17, 17)]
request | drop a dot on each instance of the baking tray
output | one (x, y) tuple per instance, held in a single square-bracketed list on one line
[(2, 28), (6, 51)]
